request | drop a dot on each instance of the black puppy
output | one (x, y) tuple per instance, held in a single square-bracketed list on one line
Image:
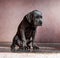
[(26, 30)]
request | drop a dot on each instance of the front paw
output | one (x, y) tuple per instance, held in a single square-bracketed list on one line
[(29, 47), (25, 48)]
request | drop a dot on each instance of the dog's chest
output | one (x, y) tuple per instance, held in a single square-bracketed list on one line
[(29, 31)]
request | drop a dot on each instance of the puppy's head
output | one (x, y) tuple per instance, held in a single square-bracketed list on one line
[(35, 17)]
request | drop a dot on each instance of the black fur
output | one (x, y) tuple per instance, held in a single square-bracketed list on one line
[(26, 30)]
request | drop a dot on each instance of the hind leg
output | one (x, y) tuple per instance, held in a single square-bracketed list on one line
[(13, 45), (15, 42)]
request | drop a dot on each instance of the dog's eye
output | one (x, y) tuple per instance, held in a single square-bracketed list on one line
[(38, 16)]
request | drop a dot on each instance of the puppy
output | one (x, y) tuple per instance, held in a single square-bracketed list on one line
[(26, 30)]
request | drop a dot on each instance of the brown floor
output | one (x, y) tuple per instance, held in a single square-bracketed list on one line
[(44, 48)]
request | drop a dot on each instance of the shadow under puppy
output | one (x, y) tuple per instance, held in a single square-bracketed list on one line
[(26, 31)]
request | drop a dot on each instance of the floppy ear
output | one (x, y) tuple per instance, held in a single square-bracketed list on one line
[(29, 17)]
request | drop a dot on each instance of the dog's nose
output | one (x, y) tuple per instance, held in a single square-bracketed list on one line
[(40, 22)]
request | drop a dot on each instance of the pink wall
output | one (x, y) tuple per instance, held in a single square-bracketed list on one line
[(13, 11)]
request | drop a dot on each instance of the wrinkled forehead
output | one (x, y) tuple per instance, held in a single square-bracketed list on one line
[(37, 13)]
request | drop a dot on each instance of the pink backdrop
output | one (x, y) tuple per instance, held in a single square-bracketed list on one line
[(13, 11)]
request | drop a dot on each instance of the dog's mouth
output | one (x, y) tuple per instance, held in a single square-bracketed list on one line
[(38, 24)]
